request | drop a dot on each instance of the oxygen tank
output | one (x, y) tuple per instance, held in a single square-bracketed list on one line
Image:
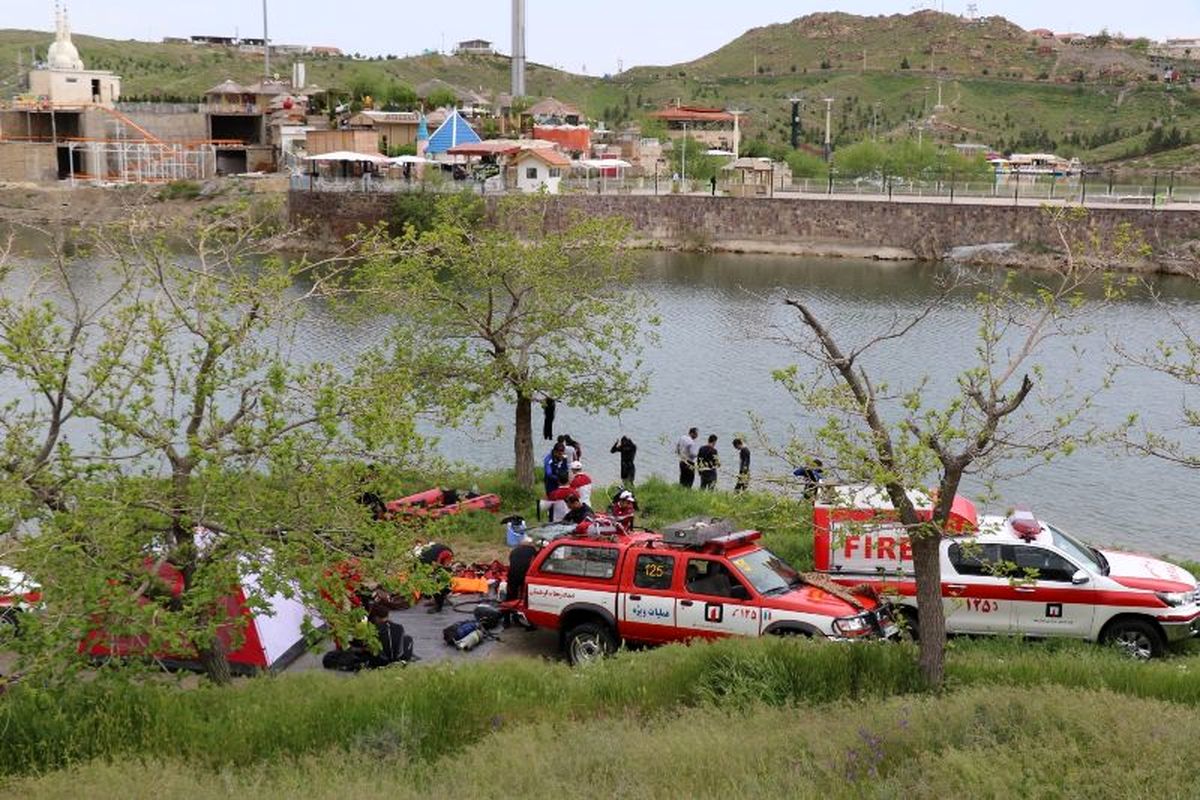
[(470, 641)]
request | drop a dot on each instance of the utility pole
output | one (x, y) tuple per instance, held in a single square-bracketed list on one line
[(683, 167), (828, 128), (796, 101), (266, 45), (737, 132)]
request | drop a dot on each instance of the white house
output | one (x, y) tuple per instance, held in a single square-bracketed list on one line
[(538, 169)]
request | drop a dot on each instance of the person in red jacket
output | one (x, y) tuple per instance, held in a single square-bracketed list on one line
[(581, 482)]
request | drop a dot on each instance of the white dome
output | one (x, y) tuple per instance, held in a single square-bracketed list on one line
[(62, 53)]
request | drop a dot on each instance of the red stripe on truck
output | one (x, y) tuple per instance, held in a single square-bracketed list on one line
[(1023, 593)]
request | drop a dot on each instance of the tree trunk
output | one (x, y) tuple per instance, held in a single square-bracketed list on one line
[(215, 661), (931, 620), (523, 441)]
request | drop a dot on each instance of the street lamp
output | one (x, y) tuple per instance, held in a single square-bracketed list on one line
[(828, 127)]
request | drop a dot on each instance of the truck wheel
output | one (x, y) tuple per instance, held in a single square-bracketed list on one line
[(908, 624), (589, 642), (1135, 637)]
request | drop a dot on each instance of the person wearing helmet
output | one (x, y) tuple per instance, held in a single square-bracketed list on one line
[(581, 482), (623, 508)]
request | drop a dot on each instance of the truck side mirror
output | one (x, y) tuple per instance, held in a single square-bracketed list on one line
[(739, 592), (1080, 578)]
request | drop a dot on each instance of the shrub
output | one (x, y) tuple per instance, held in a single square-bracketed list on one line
[(180, 190)]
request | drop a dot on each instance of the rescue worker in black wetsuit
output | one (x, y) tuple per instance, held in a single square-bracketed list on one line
[(519, 560)]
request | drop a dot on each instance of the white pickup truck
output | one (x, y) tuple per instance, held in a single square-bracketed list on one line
[(1012, 574)]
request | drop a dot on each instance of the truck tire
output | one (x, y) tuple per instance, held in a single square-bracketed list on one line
[(1136, 637), (589, 642), (908, 624)]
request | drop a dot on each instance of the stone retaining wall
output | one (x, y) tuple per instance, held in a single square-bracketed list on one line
[(926, 230)]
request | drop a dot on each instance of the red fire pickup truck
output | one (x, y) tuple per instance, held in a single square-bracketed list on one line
[(698, 579)]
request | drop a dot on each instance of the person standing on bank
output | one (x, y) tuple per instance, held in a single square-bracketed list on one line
[(628, 451), (687, 449), (743, 478), (554, 464), (707, 462)]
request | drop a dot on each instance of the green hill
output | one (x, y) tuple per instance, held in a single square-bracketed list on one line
[(1000, 85)]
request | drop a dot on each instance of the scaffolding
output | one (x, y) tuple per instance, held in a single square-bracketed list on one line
[(140, 161), (132, 154)]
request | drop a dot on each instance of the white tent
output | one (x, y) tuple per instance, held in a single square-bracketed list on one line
[(412, 160), (346, 155), (17, 590), (269, 636)]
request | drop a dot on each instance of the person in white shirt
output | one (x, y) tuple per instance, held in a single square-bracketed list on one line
[(687, 449)]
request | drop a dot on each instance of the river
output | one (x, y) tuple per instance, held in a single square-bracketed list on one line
[(712, 362)]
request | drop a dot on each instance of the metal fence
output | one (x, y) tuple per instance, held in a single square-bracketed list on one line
[(1092, 191)]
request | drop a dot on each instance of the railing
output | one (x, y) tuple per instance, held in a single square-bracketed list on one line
[(230, 108), (371, 183), (1095, 192), (158, 108)]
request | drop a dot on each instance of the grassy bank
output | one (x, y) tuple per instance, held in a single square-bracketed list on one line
[(425, 714), (1034, 743), (764, 718)]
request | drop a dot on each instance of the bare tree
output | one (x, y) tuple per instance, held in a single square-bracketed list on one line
[(904, 440)]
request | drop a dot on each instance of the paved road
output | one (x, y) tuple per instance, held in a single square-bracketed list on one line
[(426, 630)]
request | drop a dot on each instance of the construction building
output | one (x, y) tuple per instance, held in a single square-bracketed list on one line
[(72, 126)]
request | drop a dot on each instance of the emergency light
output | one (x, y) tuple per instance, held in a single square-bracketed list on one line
[(722, 543), (1025, 525)]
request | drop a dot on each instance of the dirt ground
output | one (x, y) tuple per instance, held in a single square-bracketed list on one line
[(59, 204)]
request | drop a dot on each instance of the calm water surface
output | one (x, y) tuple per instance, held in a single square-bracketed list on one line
[(711, 367)]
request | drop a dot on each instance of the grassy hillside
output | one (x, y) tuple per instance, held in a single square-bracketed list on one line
[(1000, 85), (181, 70)]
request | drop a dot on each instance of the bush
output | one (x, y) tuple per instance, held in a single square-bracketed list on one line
[(180, 190)]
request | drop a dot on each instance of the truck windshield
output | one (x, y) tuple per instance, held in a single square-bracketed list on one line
[(1078, 550), (767, 572)]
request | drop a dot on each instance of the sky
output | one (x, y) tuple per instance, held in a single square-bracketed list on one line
[(593, 38)]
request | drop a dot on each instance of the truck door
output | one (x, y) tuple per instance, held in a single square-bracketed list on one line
[(572, 574), (975, 595), (715, 601), (1051, 605), (647, 600)]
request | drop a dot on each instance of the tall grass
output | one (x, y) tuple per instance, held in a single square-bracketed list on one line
[(427, 713), (424, 712), (1042, 742)]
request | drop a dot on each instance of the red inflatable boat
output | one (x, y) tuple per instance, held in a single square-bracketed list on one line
[(436, 503)]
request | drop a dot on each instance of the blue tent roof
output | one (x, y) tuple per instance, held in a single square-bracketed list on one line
[(453, 132)]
